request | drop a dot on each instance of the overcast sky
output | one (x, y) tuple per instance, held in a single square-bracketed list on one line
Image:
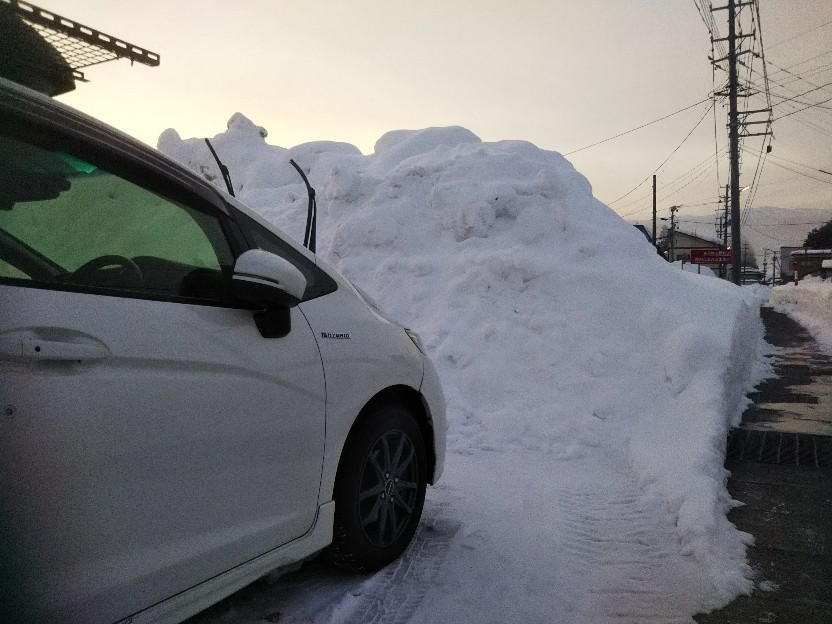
[(561, 74)]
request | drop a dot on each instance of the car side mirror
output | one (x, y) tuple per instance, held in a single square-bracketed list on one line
[(266, 280)]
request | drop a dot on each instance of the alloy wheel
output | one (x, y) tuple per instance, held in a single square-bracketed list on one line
[(389, 488)]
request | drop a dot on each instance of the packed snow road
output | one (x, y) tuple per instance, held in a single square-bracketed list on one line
[(590, 384), (581, 540)]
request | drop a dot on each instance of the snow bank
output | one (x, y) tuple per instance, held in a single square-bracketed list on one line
[(810, 302), (554, 325)]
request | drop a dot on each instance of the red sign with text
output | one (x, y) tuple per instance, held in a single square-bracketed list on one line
[(710, 255)]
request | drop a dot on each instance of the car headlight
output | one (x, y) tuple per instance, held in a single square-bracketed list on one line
[(416, 339)]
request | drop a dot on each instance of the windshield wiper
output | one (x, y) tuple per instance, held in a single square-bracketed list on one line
[(223, 169), (311, 213), (312, 208)]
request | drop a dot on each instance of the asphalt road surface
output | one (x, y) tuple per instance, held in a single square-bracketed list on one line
[(781, 464)]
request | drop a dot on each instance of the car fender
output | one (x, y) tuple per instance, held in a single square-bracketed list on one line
[(363, 354)]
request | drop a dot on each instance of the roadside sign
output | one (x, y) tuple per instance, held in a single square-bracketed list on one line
[(710, 255)]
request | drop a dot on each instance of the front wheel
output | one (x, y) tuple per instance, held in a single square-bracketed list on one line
[(379, 490)]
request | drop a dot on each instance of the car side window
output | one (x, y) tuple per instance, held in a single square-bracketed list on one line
[(318, 283), (70, 224)]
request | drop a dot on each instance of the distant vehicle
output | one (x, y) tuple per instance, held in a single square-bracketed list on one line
[(189, 399)]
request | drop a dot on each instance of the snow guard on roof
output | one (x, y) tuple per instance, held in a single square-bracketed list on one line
[(46, 52)]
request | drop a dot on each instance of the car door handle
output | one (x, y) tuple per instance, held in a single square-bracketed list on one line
[(28, 345), (40, 349)]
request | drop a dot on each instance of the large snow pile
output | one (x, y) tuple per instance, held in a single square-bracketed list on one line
[(555, 327), (810, 302)]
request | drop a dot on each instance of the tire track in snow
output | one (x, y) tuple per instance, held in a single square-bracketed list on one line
[(320, 594), (393, 594), (622, 550)]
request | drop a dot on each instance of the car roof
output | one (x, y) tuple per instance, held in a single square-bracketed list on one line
[(37, 108)]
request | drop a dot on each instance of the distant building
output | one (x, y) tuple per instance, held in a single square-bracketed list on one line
[(786, 268), (808, 261), (683, 242)]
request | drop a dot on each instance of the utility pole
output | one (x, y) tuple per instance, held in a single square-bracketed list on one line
[(725, 221), (744, 259), (673, 210), (723, 268), (654, 211), (734, 141), (774, 268), (734, 123), (765, 262)]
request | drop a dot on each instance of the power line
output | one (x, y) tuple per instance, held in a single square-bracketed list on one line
[(805, 175), (756, 25), (783, 85), (669, 156), (756, 50), (786, 99), (716, 137), (799, 110), (696, 222), (676, 190), (671, 185), (811, 58), (775, 238), (795, 162), (758, 174), (811, 72), (790, 224), (644, 125), (710, 24), (689, 182), (702, 202), (805, 32), (710, 203), (756, 225), (701, 15), (797, 76), (762, 57), (806, 93), (809, 124), (738, 119), (781, 182)]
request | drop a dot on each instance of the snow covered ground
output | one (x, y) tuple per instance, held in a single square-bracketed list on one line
[(590, 384), (810, 302)]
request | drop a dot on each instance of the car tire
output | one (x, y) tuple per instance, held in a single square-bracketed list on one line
[(379, 490)]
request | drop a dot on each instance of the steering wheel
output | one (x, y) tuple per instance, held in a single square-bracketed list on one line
[(130, 274)]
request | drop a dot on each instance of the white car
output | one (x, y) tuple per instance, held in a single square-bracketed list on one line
[(188, 399)]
